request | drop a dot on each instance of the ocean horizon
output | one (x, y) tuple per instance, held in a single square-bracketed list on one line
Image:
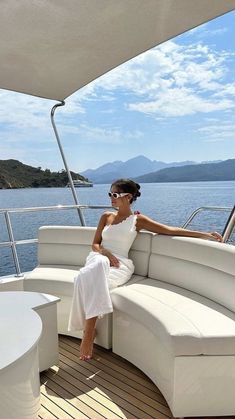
[(168, 203)]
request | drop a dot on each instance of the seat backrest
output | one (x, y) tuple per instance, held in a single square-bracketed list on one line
[(70, 245), (64, 245), (203, 266), (140, 252)]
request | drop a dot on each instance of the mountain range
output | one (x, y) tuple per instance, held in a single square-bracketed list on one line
[(224, 170), (14, 174), (131, 168)]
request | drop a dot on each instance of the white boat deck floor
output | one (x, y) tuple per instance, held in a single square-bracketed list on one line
[(105, 387)]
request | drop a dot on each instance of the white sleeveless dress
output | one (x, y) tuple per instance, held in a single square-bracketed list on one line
[(91, 296)]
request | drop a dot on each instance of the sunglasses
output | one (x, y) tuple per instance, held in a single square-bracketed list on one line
[(117, 195)]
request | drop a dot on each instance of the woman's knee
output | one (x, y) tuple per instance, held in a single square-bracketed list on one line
[(102, 262)]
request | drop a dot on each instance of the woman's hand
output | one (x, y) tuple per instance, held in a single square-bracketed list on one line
[(215, 236), (112, 259)]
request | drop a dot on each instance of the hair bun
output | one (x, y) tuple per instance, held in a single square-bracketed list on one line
[(129, 186)]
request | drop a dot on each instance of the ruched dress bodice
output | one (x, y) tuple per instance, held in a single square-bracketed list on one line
[(118, 238)]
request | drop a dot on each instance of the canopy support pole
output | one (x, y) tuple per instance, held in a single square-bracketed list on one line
[(62, 103)]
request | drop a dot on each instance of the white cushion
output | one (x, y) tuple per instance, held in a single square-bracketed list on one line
[(62, 254), (140, 252), (202, 266), (66, 234), (187, 323), (55, 280), (60, 245), (209, 253), (70, 245)]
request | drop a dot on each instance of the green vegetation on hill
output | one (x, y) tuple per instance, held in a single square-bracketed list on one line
[(222, 171), (14, 174)]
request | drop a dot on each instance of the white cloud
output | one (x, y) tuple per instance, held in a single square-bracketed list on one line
[(170, 80), (220, 131), (24, 111), (197, 29), (174, 80), (211, 119), (203, 33), (180, 102), (107, 111), (11, 153), (227, 90), (109, 135)]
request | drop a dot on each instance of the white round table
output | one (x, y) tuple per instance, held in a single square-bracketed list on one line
[(28, 325)]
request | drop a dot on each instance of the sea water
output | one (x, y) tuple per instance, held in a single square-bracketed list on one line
[(169, 203)]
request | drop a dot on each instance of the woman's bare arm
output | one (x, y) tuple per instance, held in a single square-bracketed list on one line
[(96, 244), (147, 223)]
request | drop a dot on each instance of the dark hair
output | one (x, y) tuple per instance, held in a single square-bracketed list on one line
[(129, 186)]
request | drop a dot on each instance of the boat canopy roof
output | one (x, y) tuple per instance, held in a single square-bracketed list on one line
[(51, 48)]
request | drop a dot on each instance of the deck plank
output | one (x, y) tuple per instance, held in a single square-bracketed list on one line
[(98, 389), (113, 358), (105, 387), (45, 413), (118, 364), (121, 386), (69, 403), (51, 401), (131, 386), (122, 400), (95, 399)]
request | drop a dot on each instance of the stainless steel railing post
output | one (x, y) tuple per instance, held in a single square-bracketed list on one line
[(81, 216), (13, 245), (230, 225)]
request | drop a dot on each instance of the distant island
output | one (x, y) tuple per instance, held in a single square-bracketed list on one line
[(221, 171), (14, 174)]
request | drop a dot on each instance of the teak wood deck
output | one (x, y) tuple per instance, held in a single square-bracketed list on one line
[(105, 387)]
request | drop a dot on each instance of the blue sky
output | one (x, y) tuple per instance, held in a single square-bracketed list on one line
[(175, 102)]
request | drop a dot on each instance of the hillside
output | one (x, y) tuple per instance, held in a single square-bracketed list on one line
[(193, 173), (136, 166), (14, 174)]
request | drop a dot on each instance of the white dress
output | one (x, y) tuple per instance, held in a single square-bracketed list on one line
[(91, 296)]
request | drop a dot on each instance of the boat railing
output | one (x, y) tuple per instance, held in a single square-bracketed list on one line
[(12, 243), (230, 223)]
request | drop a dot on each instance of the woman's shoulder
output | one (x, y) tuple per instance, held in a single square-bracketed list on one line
[(143, 222), (105, 219), (139, 215), (107, 214)]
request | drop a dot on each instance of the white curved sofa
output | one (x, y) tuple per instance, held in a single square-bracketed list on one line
[(62, 251), (175, 319)]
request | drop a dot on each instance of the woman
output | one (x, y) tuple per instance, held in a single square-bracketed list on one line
[(108, 266)]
